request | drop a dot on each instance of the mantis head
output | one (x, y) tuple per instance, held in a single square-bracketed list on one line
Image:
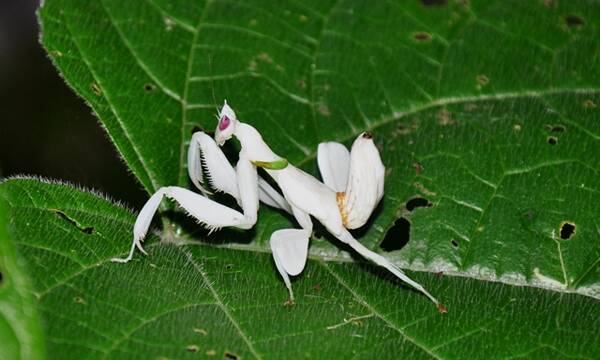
[(227, 124)]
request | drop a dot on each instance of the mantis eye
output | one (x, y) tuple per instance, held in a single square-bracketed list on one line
[(224, 123)]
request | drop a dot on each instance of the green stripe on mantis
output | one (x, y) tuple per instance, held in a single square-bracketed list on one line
[(272, 165)]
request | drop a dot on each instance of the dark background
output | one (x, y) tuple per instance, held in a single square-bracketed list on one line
[(45, 128)]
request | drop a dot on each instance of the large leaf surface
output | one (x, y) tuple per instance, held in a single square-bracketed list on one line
[(20, 332), (486, 109), (192, 300), (486, 112)]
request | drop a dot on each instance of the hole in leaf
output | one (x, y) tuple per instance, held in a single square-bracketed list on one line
[(149, 87), (417, 202), (397, 236), (228, 266), (558, 128), (434, 2), (231, 356), (1, 278), (192, 348), (567, 230), (454, 243), (421, 36), (552, 140), (84, 229), (574, 21)]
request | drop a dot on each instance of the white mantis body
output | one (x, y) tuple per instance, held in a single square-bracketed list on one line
[(351, 189)]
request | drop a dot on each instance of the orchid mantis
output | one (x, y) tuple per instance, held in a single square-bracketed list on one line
[(351, 189)]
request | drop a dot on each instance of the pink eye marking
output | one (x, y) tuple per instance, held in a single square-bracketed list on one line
[(224, 123)]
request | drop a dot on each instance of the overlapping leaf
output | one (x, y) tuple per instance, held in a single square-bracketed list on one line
[(188, 300)]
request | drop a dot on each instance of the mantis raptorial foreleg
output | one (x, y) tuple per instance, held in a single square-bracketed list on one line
[(221, 174)]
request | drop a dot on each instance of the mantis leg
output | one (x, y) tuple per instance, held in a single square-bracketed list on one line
[(290, 248), (206, 211), (220, 173), (347, 238)]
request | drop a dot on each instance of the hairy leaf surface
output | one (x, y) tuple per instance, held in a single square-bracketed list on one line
[(189, 300)]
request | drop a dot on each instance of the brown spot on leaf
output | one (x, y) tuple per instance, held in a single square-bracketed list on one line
[(548, 3), (96, 89), (421, 36), (302, 83), (482, 80), (442, 309), (589, 104), (263, 56), (324, 110), (444, 117), (79, 300), (558, 128), (418, 168)]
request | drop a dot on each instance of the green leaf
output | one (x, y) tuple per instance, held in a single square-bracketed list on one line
[(485, 114), (189, 300), (502, 136), (21, 335)]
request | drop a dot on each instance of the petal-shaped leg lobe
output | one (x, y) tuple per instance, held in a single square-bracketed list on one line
[(365, 182), (290, 246), (334, 164)]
